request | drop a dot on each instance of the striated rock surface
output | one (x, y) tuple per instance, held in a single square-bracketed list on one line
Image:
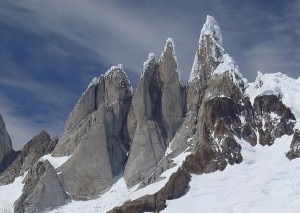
[(5, 141), (37, 147), (208, 56), (155, 115), (42, 191), (97, 138), (88, 172), (112, 89)]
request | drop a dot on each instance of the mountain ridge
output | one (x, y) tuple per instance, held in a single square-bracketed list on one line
[(115, 135)]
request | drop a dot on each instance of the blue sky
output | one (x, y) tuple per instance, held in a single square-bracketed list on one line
[(50, 50)]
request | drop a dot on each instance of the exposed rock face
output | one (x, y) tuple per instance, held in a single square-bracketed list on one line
[(155, 115), (112, 89), (295, 146), (37, 147), (5, 141), (97, 138), (274, 119), (176, 186), (215, 102), (88, 172), (42, 190), (172, 101), (208, 57)]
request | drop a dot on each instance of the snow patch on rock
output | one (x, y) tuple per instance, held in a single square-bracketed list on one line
[(280, 85), (228, 65)]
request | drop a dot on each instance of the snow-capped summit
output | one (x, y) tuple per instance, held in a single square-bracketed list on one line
[(211, 28), (278, 84), (151, 61), (209, 54), (228, 65)]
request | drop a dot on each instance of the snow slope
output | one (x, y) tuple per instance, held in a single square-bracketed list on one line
[(266, 181), (9, 194), (118, 194)]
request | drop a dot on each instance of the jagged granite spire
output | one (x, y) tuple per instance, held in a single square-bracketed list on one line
[(95, 135), (209, 54), (109, 88), (156, 113), (172, 106)]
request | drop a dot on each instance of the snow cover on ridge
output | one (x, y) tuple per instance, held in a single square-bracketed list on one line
[(277, 84), (151, 59), (55, 161), (111, 73), (212, 29), (229, 65)]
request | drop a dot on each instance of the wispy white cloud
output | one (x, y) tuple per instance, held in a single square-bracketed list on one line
[(20, 128), (112, 34)]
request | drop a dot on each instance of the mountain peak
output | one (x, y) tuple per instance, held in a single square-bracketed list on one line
[(149, 64), (211, 28), (115, 71), (209, 54), (169, 45)]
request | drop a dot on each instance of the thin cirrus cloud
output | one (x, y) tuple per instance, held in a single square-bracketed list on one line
[(61, 45)]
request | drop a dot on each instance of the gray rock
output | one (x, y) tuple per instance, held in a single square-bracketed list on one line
[(76, 125), (5, 141), (88, 172), (208, 57), (172, 103), (109, 89), (37, 147), (294, 151), (147, 149), (99, 143), (42, 191), (155, 115)]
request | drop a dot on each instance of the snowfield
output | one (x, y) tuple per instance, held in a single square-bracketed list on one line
[(9, 194), (266, 181)]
